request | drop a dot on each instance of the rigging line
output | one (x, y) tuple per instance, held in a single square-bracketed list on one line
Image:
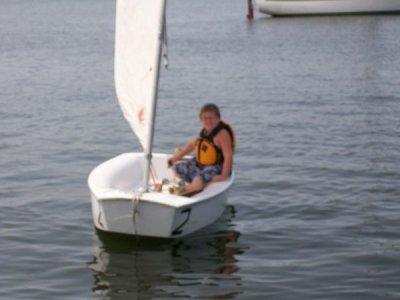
[(135, 210), (153, 174), (165, 44)]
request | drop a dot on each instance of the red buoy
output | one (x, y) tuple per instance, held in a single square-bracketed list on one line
[(250, 11)]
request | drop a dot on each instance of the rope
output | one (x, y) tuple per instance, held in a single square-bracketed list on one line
[(135, 211), (136, 199), (153, 174)]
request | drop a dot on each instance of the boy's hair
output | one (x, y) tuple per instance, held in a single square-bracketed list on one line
[(210, 107)]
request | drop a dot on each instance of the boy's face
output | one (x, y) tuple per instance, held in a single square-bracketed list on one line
[(209, 120)]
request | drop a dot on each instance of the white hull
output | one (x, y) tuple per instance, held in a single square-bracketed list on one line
[(326, 7), (114, 185)]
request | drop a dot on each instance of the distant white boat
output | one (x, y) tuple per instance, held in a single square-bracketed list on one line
[(326, 7), (124, 194)]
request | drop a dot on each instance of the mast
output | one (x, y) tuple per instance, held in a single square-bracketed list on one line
[(154, 96)]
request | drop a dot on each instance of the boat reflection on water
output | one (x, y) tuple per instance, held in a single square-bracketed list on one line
[(202, 265)]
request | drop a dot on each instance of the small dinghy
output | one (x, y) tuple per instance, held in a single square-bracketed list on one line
[(130, 193), (326, 7)]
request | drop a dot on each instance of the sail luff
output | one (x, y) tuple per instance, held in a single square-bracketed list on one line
[(153, 110)]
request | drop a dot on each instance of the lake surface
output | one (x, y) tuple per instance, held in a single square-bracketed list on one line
[(314, 211)]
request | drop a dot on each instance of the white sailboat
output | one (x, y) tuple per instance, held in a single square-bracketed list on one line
[(123, 196), (326, 7)]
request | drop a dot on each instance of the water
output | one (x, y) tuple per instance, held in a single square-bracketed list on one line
[(315, 102)]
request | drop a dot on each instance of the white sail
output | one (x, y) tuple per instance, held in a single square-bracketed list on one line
[(138, 39)]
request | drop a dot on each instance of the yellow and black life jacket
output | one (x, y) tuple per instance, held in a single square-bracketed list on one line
[(207, 153)]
